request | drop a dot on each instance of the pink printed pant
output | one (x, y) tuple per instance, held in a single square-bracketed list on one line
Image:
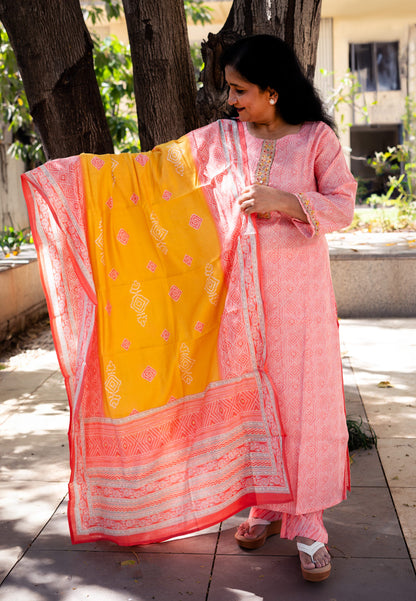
[(309, 525)]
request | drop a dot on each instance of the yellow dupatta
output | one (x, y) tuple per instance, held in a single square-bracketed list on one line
[(154, 292), (160, 281)]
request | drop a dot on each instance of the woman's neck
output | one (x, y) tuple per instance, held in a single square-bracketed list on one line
[(273, 130)]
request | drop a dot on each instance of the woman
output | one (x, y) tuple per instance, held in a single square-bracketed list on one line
[(301, 189), (191, 307)]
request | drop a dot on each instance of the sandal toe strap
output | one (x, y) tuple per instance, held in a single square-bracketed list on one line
[(310, 549)]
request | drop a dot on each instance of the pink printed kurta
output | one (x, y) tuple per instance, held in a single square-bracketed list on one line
[(303, 357)]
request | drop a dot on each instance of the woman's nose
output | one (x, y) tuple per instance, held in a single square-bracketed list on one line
[(231, 97)]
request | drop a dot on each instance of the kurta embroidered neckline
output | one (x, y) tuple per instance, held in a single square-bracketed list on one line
[(268, 149)]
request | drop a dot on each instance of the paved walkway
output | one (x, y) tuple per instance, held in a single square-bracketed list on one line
[(372, 534)]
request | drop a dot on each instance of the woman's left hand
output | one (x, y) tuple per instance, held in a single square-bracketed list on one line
[(262, 199), (258, 198)]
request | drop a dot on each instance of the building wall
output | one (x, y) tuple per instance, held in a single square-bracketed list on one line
[(389, 106), (13, 211)]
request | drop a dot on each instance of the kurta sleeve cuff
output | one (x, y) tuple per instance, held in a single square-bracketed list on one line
[(311, 228)]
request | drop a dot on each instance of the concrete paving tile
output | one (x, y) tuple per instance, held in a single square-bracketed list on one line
[(34, 456), (18, 383), (227, 544), (405, 502), (35, 447), (56, 536), (75, 575), (7, 408), (398, 456), (52, 389), (391, 420), (29, 404), (257, 578), (25, 508), (355, 410), (385, 350), (41, 359), (365, 525), (203, 543), (44, 417), (380, 346), (366, 468), (352, 393)]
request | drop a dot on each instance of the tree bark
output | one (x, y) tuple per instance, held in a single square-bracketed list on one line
[(54, 52), (295, 21), (165, 86)]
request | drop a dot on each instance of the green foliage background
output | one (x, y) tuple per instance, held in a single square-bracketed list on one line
[(114, 72)]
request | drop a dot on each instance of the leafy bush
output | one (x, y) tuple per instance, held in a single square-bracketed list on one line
[(11, 240), (400, 163)]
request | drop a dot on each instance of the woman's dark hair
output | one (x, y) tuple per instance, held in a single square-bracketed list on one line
[(268, 61)]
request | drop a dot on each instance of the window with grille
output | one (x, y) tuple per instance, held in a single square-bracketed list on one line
[(376, 65)]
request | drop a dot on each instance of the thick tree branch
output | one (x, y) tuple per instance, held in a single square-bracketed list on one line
[(164, 78), (295, 21), (54, 52)]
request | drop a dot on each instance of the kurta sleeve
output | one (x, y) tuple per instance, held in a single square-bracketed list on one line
[(331, 206)]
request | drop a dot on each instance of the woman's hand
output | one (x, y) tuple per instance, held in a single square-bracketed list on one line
[(259, 198)]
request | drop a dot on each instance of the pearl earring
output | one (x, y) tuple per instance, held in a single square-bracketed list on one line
[(272, 101)]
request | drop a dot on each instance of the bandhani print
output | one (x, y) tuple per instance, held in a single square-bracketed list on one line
[(149, 373), (199, 326), (195, 221), (175, 156), (185, 363), (174, 426), (175, 293), (158, 233), (142, 159), (100, 242), (112, 385), (126, 344), (123, 237), (211, 284), (139, 303)]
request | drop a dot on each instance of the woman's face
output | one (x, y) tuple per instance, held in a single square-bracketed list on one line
[(251, 103)]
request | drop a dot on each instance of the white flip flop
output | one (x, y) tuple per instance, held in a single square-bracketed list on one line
[(314, 574)]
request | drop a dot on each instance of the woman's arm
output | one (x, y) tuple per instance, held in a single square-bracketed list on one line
[(259, 198)]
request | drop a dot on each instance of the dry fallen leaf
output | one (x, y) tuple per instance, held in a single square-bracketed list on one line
[(128, 562), (384, 384)]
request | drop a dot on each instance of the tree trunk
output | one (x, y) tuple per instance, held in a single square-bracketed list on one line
[(295, 21), (54, 52), (164, 78)]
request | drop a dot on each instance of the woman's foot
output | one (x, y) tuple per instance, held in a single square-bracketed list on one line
[(245, 530), (253, 533), (316, 564)]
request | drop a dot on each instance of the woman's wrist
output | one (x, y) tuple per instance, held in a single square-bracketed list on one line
[(289, 205)]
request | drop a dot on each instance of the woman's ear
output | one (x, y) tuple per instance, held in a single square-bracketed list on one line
[(273, 95)]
